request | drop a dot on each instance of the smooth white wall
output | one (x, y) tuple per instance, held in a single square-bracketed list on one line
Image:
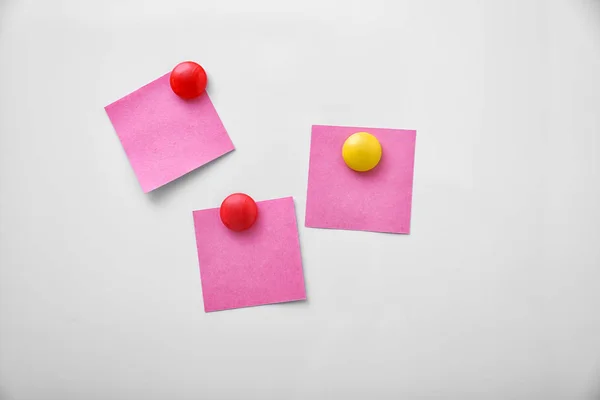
[(494, 295)]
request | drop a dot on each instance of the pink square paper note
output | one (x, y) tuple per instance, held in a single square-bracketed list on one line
[(261, 265), (165, 136), (378, 200)]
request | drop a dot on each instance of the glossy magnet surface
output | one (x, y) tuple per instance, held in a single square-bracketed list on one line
[(238, 212), (361, 151), (188, 80)]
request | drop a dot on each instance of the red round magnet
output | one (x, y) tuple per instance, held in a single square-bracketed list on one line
[(238, 212), (188, 80)]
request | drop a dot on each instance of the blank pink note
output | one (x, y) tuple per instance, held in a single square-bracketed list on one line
[(165, 136), (261, 265), (378, 200)]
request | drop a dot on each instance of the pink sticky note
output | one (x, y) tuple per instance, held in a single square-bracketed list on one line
[(378, 200), (261, 265), (165, 136)]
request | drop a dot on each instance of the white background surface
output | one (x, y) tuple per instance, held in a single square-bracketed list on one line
[(494, 295)]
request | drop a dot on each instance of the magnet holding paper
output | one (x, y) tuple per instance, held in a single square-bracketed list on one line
[(188, 80), (238, 212), (361, 151)]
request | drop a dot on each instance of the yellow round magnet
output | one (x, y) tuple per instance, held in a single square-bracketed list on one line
[(361, 151)]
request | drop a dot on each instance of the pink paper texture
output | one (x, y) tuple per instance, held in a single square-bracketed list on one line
[(165, 136), (378, 200), (261, 265)]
